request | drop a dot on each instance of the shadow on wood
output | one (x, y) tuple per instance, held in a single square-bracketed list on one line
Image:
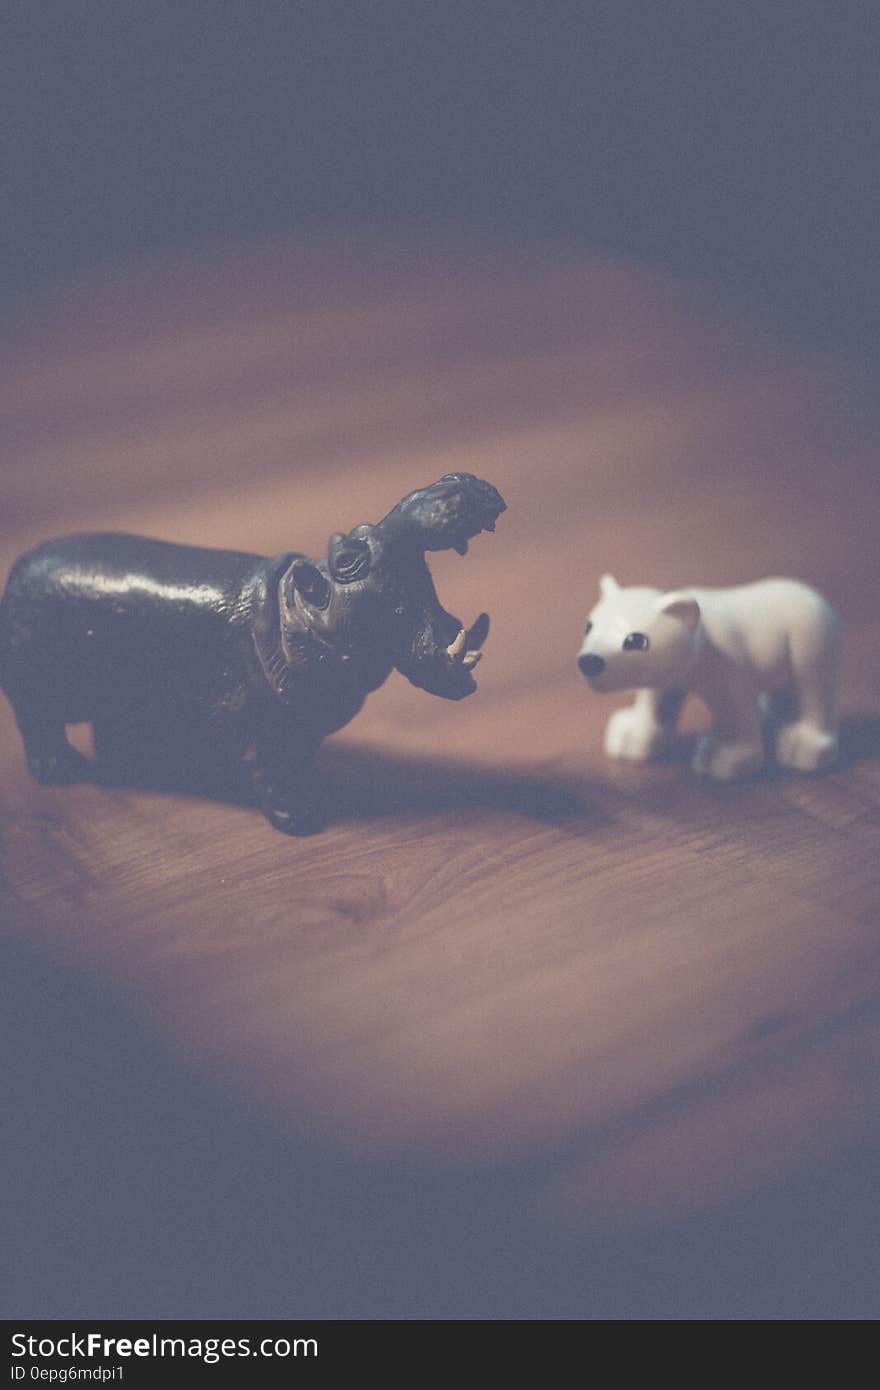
[(361, 784)]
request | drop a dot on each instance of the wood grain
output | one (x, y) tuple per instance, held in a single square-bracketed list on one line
[(651, 993)]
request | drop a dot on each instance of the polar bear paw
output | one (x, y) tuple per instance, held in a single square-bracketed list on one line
[(726, 761), (628, 735), (805, 748)]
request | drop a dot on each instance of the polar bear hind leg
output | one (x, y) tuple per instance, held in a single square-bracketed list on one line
[(809, 742)]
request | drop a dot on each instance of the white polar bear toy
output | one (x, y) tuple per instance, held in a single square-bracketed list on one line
[(772, 647)]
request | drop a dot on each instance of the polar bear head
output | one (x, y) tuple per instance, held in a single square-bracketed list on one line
[(639, 637)]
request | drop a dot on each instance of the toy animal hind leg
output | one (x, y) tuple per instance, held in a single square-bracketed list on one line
[(51, 759), (32, 690), (734, 747), (809, 741)]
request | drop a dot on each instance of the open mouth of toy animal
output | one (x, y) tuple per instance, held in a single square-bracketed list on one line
[(465, 649), (461, 545), (447, 515), (445, 653)]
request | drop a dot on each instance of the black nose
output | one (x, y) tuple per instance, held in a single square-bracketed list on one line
[(591, 665)]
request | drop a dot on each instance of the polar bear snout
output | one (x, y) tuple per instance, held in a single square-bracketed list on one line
[(591, 665)]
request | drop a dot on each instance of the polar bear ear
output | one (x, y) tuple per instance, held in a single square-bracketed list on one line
[(608, 585), (683, 606)]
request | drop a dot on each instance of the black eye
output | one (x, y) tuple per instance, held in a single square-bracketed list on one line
[(588, 629), (636, 642)]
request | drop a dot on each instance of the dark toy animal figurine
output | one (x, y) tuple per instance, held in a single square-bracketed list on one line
[(179, 655)]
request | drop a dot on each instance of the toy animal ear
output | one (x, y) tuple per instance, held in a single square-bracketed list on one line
[(683, 606), (348, 558), (310, 583), (608, 585)]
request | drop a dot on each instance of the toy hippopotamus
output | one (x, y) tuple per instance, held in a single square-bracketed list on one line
[(177, 653), (768, 648)]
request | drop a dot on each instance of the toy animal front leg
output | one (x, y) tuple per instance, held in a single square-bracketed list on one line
[(288, 789), (646, 728)]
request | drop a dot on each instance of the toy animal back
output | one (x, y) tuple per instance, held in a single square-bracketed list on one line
[(179, 654)]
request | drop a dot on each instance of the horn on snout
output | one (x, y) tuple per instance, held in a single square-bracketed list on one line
[(445, 515)]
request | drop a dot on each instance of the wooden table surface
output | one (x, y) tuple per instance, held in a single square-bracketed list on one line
[(626, 1000)]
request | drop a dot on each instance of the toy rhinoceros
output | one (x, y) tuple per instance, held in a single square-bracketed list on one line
[(177, 652)]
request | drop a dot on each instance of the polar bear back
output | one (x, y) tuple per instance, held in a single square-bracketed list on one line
[(771, 624)]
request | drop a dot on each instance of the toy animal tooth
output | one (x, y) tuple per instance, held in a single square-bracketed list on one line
[(767, 648), (180, 655)]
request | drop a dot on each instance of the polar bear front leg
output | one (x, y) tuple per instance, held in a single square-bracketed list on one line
[(646, 728)]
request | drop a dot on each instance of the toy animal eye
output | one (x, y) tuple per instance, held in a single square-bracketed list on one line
[(636, 642), (349, 559), (588, 629)]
